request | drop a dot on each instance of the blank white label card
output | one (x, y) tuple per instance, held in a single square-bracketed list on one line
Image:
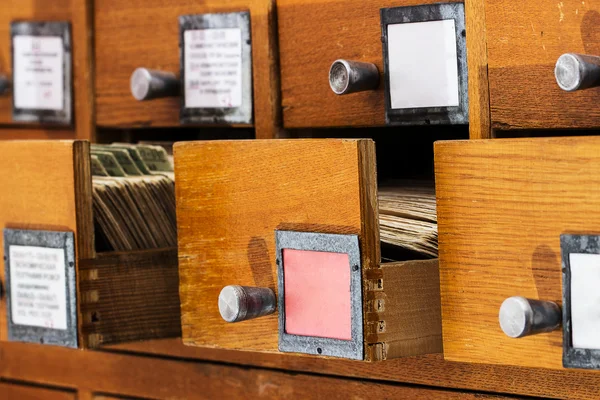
[(423, 64), (585, 300)]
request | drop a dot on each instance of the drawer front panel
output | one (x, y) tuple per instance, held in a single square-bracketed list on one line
[(22, 392), (312, 35), (524, 42), (146, 34), (36, 196), (228, 212), (74, 12), (502, 206)]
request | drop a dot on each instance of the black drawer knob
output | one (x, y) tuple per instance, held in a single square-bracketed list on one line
[(347, 77), (521, 317), (241, 303), (577, 72), (147, 84)]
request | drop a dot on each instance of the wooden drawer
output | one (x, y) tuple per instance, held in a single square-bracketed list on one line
[(76, 13), (23, 392), (312, 35), (146, 34), (523, 44), (229, 211), (502, 208), (121, 296)]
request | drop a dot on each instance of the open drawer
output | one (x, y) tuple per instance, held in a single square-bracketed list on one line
[(86, 298), (515, 218), (297, 219)]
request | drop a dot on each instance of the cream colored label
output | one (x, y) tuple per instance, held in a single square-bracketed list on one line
[(38, 72), (213, 68), (38, 288)]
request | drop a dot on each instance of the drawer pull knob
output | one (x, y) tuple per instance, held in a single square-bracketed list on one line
[(347, 77), (577, 71), (241, 303), (521, 317), (147, 84), (4, 84)]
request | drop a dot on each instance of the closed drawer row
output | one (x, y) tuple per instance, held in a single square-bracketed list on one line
[(499, 55)]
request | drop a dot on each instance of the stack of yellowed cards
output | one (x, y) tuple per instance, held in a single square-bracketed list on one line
[(133, 197), (407, 216)]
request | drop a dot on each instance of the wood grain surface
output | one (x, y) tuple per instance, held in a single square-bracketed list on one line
[(78, 13), (145, 33), (129, 296), (135, 376), (312, 35), (171, 369), (38, 192), (403, 310), (82, 185), (477, 64), (22, 392), (502, 206), (228, 211), (524, 40)]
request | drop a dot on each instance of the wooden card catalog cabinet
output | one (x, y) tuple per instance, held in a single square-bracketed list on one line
[(45, 84), (185, 62), (372, 53), (57, 289), (279, 251), (518, 243)]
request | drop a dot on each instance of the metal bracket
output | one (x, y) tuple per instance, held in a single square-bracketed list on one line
[(349, 244), (428, 115), (573, 357), (35, 334), (57, 29), (221, 116)]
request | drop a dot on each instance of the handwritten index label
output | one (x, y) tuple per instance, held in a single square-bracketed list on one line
[(213, 68), (38, 287), (38, 72)]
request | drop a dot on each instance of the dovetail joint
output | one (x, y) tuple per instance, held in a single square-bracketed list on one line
[(90, 296), (89, 275), (94, 340)]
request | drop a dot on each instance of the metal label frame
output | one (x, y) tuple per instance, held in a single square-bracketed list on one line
[(34, 334), (351, 349), (573, 357), (219, 116), (55, 28), (428, 115)]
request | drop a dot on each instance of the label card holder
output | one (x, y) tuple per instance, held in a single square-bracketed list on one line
[(425, 87), (41, 287), (42, 76), (313, 261), (580, 276), (216, 69)]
